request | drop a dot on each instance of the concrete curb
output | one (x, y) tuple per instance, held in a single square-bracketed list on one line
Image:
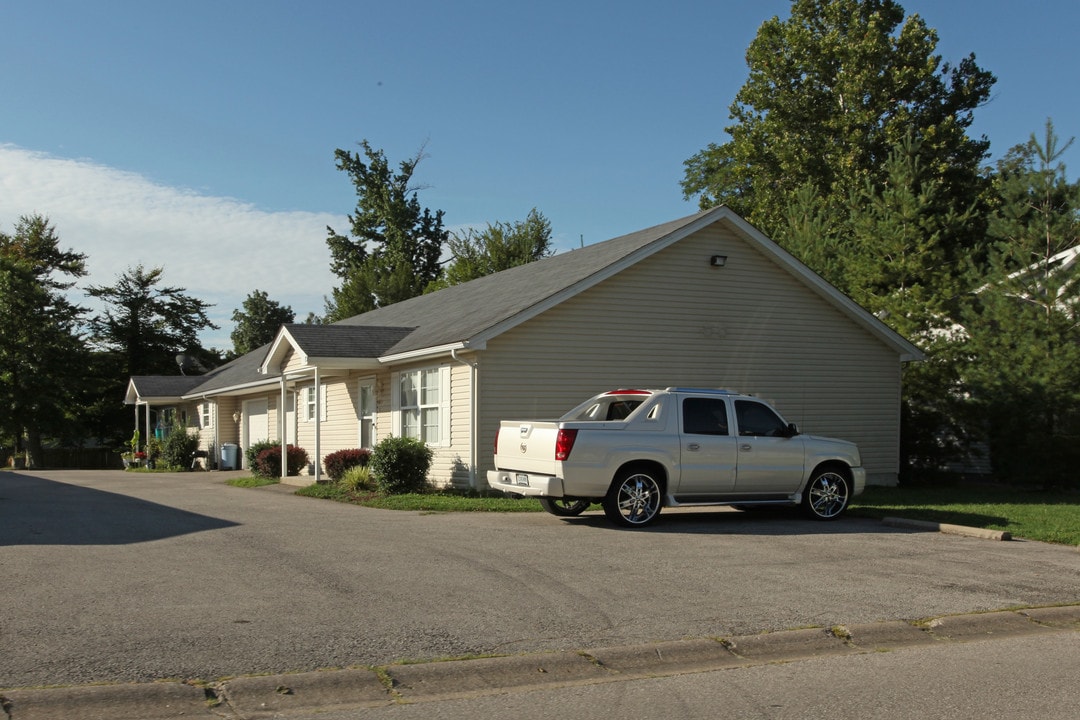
[(948, 529), (269, 696)]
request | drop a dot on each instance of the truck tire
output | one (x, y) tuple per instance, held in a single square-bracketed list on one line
[(827, 494), (565, 507), (635, 498)]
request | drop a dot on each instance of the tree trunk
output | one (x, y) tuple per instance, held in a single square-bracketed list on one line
[(34, 451)]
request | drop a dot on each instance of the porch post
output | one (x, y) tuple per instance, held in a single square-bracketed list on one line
[(318, 427), (283, 431)]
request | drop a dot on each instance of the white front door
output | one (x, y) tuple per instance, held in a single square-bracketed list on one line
[(256, 423)]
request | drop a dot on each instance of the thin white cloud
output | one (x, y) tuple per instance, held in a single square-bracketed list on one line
[(219, 249)]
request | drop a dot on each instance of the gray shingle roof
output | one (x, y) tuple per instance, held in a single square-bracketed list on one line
[(449, 316), (346, 341), (461, 312), (165, 385)]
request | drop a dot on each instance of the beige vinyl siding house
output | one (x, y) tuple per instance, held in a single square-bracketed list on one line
[(705, 300), (675, 320)]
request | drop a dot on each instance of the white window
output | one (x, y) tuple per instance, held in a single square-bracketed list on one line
[(365, 411), (422, 405), (310, 404), (207, 415)]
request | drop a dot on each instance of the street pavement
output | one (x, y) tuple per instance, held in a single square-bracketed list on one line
[(125, 579)]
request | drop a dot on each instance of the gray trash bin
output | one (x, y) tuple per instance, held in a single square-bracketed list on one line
[(230, 456)]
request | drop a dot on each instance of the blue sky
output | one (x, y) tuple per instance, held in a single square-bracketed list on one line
[(199, 136)]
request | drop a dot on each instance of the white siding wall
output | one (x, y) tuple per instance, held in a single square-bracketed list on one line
[(675, 320)]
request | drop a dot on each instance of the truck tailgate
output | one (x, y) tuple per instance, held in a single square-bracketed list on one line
[(527, 446)]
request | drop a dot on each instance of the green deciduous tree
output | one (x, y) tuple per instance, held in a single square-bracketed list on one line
[(41, 351), (1022, 322), (831, 92), (500, 246), (258, 322), (394, 247)]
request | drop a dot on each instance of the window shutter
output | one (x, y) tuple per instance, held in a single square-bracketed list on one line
[(444, 406), (395, 404)]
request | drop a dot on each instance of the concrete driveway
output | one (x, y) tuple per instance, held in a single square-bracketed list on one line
[(112, 576)]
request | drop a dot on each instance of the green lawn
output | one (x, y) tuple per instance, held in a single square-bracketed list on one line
[(1029, 514)]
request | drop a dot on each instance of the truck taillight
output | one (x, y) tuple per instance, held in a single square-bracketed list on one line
[(564, 443)]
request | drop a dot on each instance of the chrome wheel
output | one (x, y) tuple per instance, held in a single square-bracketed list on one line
[(634, 500), (827, 495), (564, 507)]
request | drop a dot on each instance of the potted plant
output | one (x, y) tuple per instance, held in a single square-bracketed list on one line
[(133, 457)]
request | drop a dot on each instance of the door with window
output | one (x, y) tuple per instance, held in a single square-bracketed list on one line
[(770, 460), (365, 413), (708, 449)]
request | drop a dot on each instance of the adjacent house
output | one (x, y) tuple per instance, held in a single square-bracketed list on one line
[(705, 300)]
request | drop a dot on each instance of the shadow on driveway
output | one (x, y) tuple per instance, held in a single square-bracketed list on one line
[(35, 511)]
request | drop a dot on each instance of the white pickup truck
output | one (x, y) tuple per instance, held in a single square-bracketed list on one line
[(635, 451)]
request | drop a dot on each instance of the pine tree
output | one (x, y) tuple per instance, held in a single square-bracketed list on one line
[(395, 245), (41, 351), (1022, 322)]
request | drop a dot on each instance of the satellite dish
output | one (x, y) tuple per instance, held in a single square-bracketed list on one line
[(189, 362)]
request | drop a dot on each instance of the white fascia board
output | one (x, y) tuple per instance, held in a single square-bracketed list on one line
[(426, 353), (276, 348), (156, 400), (334, 363), (234, 389)]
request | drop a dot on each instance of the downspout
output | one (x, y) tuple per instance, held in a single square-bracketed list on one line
[(474, 421)]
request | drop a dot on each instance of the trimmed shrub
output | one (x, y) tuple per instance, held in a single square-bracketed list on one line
[(400, 465), (252, 453), (336, 463), (177, 448), (268, 463)]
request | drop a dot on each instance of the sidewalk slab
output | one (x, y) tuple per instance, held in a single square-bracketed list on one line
[(788, 645), (464, 678), (891, 635), (1058, 617), (993, 625), (665, 658), (268, 695), (144, 701)]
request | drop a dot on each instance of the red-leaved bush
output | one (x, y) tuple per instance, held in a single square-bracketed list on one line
[(268, 462), (337, 463)]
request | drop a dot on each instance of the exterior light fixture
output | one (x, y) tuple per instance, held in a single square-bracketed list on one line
[(718, 260)]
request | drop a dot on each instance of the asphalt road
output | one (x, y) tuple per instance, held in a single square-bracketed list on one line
[(107, 576)]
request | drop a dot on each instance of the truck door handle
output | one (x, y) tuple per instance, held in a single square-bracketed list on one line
[(693, 447), (746, 447)]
